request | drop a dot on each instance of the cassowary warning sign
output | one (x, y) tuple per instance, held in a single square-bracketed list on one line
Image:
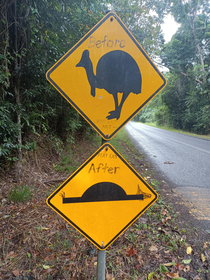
[(107, 76)]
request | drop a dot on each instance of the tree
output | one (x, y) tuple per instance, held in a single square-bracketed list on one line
[(143, 19), (195, 14), (186, 98), (186, 56)]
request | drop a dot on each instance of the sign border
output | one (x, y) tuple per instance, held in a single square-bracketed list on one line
[(110, 14), (76, 172)]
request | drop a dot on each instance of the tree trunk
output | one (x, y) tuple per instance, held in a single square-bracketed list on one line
[(19, 167), (200, 54), (5, 45)]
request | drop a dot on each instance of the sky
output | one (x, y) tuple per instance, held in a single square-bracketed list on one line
[(169, 27)]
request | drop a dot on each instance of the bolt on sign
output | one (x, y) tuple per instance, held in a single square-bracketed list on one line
[(107, 76), (103, 197)]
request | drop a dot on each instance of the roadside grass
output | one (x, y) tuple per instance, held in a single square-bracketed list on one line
[(124, 146), (70, 157), (67, 164), (178, 130), (38, 244), (20, 193)]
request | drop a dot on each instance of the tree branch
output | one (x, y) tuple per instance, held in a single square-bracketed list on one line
[(195, 78)]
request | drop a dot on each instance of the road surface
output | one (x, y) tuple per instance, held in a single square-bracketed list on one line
[(184, 161)]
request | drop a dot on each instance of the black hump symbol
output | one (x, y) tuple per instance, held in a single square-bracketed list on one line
[(105, 191), (116, 71)]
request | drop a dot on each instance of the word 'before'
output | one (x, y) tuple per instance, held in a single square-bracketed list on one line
[(106, 42)]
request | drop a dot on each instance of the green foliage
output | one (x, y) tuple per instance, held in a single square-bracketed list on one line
[(162, 115), (20, 194), (144, 25), (155, 111), (147, 115), (8, 131), (67, 164), (185, 101), (57, 144), (34, 35)]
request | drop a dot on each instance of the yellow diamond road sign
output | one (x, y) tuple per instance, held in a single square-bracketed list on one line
[(103, 197), (107, 76)]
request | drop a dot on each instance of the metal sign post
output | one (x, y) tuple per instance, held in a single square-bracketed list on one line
[(101, 259), (101, 265)]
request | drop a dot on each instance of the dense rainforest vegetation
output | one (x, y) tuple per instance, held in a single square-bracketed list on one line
[(35, 34), (185, 102)]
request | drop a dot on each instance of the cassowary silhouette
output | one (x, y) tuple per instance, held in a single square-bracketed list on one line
[(116, 71)]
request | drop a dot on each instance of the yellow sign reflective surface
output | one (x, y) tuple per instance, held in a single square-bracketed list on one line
[(107, 76), (103, 197)]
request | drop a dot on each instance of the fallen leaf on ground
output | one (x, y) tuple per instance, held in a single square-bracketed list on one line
[(50, 257), (16, 272), (179, 266), (44, 217), (187, 261), (46, 266), (186, 268), (167, 252), (109, 277), (153, 248), (139, 259), (197, 278), (48, 249), (206, 245), (131, 252), (172, 275), (169, 264), (44, 228), (11, 255), (150, 276), (163, 230), (203, 257), (189, 250), (163, 212), (166, 219)]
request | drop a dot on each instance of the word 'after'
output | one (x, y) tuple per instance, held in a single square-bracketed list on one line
[(103, 168)]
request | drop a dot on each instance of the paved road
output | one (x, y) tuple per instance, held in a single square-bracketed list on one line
[(184, 161)]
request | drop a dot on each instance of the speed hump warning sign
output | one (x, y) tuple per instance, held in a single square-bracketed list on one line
[(107, 76), (103, 197)]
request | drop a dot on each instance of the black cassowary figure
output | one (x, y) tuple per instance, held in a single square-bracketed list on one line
[(116, 71)]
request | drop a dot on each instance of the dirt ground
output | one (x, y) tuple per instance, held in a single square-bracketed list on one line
[(38, 244)]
